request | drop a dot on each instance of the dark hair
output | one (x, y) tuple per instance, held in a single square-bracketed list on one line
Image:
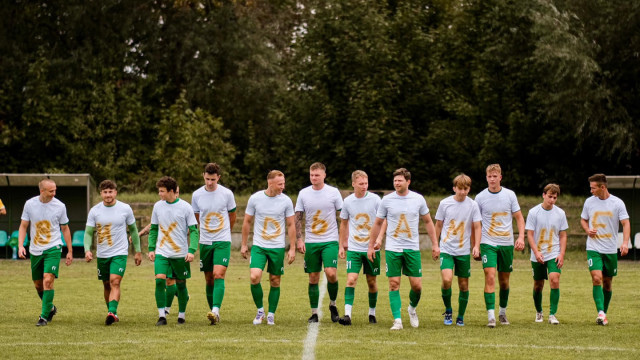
[(107, 184), (402, 172), (601, 179), (212, 168), (168, 183)]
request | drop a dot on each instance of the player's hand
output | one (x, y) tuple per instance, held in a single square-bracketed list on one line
[(371, 254), (301, 247), (378, 244), (291, 256), (519, 243), (435, 252), (22, 252), (539, 258), (342, 253), (592, 232), (476, 253), (189, 257), (69, 259), (88, 256), (560, 261), (138, 258), (130, 241), (152, 255), (624, 249), (244, 250)]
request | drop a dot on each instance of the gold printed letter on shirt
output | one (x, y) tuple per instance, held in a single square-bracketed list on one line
[(403, 227), (319, 226), (548, 241), (454, 230), (492, 228), (104, 233), (43, 233), (207, 222), (265, 228), (166, 236), (363, 226), (597, 225)]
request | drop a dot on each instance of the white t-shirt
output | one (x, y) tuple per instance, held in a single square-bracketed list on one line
[(361, 213), (403, 217), (214, 208), (111, 224), (497, 211), (320, 208), (546, 226), (45, 219), (270, 215), (457, 218), (173, 222), (604, 215)]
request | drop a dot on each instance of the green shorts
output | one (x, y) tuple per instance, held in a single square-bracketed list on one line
[(218, 253), (357, 260), (540, 270), (607, 263), (317, 254), (497, 256), (174, 268), (461, 264), (48, 262), (407, 262), (115, 265), (273, 258)]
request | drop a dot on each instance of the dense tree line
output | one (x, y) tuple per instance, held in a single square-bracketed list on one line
[(131, 89)]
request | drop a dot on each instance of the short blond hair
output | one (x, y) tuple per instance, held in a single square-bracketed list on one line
[(318, 166), (44, 181), (552, 188), (494, 167), (274, 174), (462, 181), (358, 173)]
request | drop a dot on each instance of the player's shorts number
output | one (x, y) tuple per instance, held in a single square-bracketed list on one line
[(484, 259), (590, 262), (348, 265)]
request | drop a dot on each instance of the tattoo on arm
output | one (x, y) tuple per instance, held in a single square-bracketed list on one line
[(299, 215)]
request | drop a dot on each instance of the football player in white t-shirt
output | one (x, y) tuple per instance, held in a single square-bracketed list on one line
[(215, 209), (547, 236), (356, 221), (457, 219), (47, 216), (319, 204), (601, 216), (403, 210), (273, 214), (111, 219), (498, 205)]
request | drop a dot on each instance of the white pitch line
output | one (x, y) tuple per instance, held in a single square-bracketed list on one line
[(309, 352)]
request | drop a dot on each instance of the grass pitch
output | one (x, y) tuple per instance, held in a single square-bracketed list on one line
[(78, 331)]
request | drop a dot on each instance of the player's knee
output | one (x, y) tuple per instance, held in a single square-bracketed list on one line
[(255, 279), (274, 282)]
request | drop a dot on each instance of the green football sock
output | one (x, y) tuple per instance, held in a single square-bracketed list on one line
[(463, 300), (332, 289), (490, 300), (47, 302), (537, 300), (414, 297), (373, 299), (396, 303), (607, 299), (504, 297), (218, 292), (170, 294), (598, 297), (209, 292), (349, 294), (113, 307), (161, 289), (314, 295), (274, 297), (555, 298), (256, 292), (446, 298), (183, 296)]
